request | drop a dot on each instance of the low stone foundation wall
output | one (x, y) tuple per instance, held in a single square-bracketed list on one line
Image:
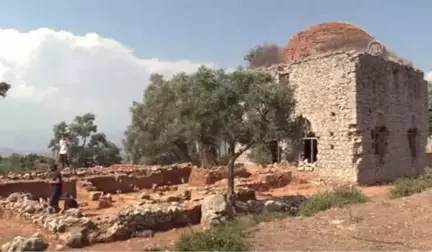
[(38, 188), (131, 183), (203, 177), (171, 172)]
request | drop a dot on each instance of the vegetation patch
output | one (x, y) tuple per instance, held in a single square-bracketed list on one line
[(225, 238), (332, 198), (408, 186)]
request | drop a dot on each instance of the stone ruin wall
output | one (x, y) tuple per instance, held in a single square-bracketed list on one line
[(341, 94), (160, 208), (109, 180), (395, 96), (326, 97)]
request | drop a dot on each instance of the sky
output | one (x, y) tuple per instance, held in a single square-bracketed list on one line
[(66, 58)]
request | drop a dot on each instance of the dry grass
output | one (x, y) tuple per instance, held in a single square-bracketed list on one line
[(408, 186), (400, 224)]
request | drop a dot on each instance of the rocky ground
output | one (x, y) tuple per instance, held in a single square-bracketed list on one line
[(386, 225), (154, 217)]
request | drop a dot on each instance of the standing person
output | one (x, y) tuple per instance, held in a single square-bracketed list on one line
[(63, 152), (56, 182)]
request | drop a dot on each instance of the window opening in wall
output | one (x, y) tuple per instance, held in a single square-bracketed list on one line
[(412, 141), (310, 148), (380, 142)]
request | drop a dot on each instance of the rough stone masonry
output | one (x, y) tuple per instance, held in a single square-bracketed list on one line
[(368, 115)]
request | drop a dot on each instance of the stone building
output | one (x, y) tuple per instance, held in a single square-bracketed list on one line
[(366, 115)]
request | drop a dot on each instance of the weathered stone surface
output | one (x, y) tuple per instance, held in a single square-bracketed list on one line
[(204, 177), (158, 217), (289, 204), (19, 243), (73, 239), (245, 194), (214, 210), (95, 195), (104, 202), (343, 98)]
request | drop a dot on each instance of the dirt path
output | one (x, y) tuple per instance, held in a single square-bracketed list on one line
[(403, 224), (11, 228)]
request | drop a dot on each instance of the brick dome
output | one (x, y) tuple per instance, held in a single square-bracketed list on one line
[(312, 39)]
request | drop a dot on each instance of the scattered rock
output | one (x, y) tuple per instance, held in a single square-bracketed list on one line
[(143, 234), (104, 203), (75, 212), (145, 196), (73, 239), (95, 195), (245, 194), (5, 246), (116, 232), (25, 244), (273, 206)]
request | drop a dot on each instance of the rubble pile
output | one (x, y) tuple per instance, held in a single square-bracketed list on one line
[(306, 166), (289, 204), (33, 243), (72, 227)]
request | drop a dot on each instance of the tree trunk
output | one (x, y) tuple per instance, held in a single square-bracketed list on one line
[(205, 156), (230, 190), (182, 151), (232, 159)]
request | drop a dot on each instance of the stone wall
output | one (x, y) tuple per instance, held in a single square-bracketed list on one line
[(393, 96), (128, 183), (326, 100), (343, 97), (38, 188)]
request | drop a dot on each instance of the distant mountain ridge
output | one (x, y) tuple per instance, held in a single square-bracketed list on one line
[(9, 151)]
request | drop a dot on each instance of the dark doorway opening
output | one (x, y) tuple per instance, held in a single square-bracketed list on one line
[(310, 149), (274, 150), (412, 141)]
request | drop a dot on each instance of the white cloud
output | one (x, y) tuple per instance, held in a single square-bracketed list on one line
[(56, 75), (428, 77)]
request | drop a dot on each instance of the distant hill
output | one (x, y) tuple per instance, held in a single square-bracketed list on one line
[(9, 151)]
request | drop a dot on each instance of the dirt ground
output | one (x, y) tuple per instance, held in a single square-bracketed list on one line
[(10, 228), (402, 224), (328, 231)]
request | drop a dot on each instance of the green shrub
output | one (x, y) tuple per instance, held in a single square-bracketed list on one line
[(154, 249), (332, 198), (224, 238), (408, 186), (260, 154), (268, 217)]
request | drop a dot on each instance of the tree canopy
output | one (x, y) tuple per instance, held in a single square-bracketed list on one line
[(19, 163), (88, 147), (4, 88), (263, 55), (187, 117)]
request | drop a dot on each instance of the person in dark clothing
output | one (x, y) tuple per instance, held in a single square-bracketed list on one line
[(55, 180), (69, 202)]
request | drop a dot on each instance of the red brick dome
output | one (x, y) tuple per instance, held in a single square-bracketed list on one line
[(324, 37)]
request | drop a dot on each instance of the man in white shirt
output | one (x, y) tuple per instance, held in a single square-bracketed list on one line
[(63, 151)]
